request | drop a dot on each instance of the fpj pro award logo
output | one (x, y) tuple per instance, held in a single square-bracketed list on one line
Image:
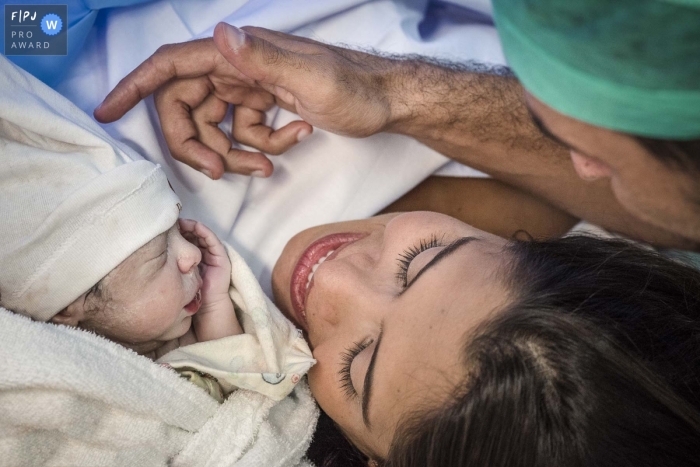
[(36, 29)]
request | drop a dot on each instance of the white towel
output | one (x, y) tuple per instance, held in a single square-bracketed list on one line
[(68, 397)]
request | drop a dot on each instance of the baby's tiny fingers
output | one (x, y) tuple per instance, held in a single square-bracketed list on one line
[(212, 243), (188, 230), (191, 237), (186, 225)]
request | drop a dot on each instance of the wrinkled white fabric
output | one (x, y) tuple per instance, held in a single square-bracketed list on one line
[(326, 178)]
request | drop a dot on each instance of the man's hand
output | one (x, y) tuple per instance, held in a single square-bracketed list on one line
[(195, 85), (340, 90), (343, 91), (469, 113)]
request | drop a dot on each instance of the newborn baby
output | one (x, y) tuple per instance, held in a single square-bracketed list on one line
[(92, 240)]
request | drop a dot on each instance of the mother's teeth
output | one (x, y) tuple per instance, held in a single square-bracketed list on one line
[(315, 266)]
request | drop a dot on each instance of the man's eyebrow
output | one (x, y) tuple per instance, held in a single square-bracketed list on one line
[(448, 250), (369, 377), (544, 130), (547, 132)]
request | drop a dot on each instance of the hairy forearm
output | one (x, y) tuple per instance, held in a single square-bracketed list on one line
[(475, 112), (477, 116)]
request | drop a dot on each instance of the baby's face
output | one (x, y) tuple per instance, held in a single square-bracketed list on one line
[(152, 295)]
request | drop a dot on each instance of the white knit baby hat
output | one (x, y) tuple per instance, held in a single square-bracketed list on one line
[(74, 203)]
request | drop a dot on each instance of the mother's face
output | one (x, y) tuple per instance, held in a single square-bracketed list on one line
[(386, 313)]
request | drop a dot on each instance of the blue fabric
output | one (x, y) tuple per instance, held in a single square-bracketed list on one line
[(690, 258), (81, 17), (440, 11)]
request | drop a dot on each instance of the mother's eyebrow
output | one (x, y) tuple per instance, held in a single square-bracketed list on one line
[(447, 251), (369, 376)]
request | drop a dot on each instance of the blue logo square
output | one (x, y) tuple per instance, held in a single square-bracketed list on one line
[(36, 29)]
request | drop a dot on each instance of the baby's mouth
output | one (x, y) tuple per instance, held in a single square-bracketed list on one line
[(192, 307)]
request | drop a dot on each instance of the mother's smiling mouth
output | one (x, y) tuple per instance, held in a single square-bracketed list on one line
[(323, 249)]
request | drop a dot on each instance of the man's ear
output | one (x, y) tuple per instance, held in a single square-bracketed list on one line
[(73, 314)]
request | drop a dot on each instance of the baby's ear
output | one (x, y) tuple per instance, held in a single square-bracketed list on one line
[(71, 315)]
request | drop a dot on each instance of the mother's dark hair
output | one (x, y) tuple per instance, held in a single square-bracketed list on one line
[(595, 363)]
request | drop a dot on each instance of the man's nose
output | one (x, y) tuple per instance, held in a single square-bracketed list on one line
[(188, 255)]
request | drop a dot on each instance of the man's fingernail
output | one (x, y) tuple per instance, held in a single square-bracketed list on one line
[(258, 173), (206, 172), (303, 134), (234, 36)]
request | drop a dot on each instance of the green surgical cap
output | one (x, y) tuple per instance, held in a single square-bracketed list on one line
[(627, 65)]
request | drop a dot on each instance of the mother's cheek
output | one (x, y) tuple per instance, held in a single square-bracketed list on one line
[(321, 375), (325, 385)]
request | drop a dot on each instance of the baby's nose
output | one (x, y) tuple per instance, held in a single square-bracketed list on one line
[(189, 257)]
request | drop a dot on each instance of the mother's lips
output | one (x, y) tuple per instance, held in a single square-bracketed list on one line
[(304, 268)]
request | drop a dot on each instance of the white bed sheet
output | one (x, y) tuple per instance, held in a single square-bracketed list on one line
[(327, 178)]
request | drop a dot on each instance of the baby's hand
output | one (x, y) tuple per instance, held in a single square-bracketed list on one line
[(216, 317)]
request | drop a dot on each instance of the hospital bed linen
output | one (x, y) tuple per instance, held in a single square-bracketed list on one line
[(326, 178)]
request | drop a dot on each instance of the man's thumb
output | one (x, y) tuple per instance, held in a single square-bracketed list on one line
[(256, 58)]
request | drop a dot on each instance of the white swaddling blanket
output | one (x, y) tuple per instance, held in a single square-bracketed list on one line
[(68, 397), (326, 178)]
